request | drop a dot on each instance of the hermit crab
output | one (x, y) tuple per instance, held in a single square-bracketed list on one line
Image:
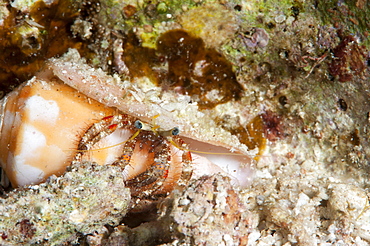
[(46, 125), (152, 161)]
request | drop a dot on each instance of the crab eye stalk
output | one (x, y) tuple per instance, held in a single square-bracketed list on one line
[(138, 124), (169, 133), (175, 131)]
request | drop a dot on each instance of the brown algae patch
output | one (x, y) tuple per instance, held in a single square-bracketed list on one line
[(183, 62), (32, 35)]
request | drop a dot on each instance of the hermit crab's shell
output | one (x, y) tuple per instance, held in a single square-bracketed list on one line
[(40, 128)]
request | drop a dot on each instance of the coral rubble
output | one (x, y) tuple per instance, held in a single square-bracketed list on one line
[(84, 200)]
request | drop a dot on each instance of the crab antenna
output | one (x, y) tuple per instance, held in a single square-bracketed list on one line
[(167, 134), (115, 145)]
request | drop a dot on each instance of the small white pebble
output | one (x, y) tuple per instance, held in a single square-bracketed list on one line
[(290, 20), (184, 202), (280, 19), (228, 239), (260, 199)]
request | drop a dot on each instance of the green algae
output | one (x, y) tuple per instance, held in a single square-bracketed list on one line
[(352, 16)]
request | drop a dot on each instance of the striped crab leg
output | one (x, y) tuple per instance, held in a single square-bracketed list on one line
[(187, 169), (152, 179), (171, 165), (102, 129)]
